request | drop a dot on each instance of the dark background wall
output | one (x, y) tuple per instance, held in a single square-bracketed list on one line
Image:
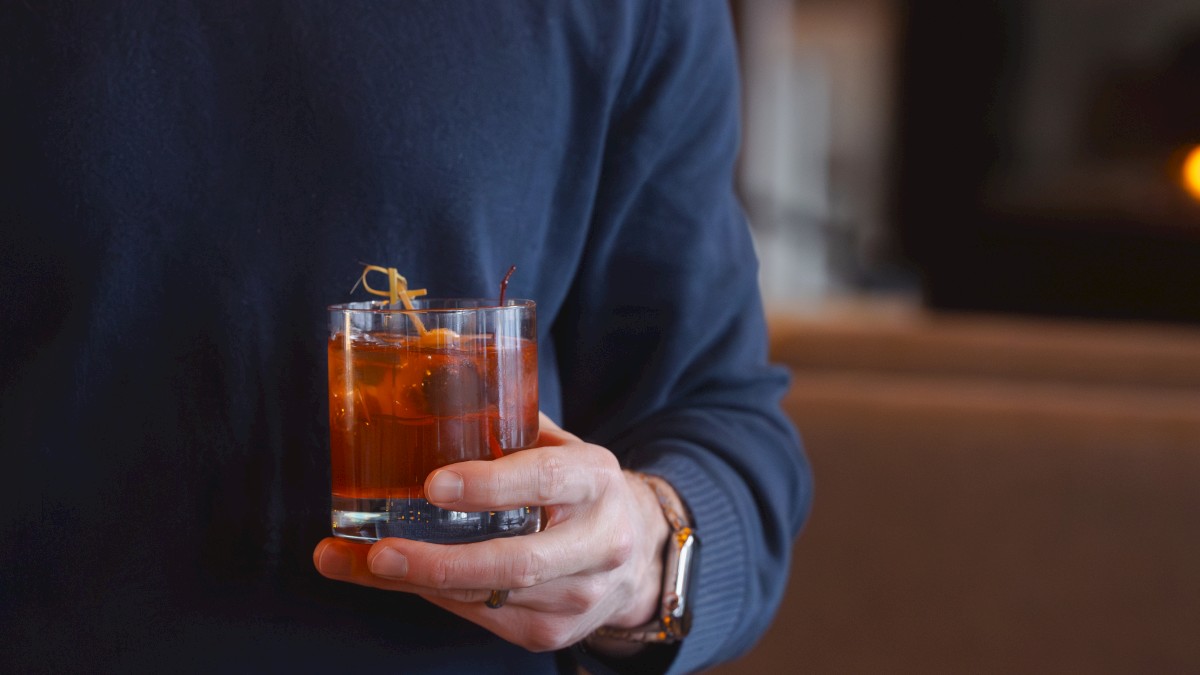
[(1102, 229)]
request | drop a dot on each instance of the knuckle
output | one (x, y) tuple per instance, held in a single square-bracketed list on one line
[(448, 569), (604, 462), (489, 487), (608, 461), (551, 478), (620, 549), (583, 597), (439, 573), (527, 569)]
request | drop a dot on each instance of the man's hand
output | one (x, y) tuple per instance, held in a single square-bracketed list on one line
[(598, 561)]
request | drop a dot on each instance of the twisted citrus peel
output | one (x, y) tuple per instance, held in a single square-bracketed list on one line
[(397, 291)]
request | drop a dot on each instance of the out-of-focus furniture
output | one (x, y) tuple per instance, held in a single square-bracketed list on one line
[(993, 495)]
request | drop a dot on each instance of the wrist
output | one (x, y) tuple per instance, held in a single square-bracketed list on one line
[(676, 546), (653, 533)]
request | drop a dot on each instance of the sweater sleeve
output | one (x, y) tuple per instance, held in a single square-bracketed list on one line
[(662, 342)]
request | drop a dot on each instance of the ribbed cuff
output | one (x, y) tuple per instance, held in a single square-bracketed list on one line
[(719, 588)]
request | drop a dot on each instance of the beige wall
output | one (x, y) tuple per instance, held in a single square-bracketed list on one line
[(992, 496)]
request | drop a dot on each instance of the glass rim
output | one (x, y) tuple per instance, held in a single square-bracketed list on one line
[(386, 307)]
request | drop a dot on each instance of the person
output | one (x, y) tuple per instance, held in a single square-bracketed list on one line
[(186, 187)]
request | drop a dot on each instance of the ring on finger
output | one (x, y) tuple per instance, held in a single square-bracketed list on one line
[(497, 599)]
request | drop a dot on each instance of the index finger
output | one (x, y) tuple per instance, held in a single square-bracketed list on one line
[(572, 473)]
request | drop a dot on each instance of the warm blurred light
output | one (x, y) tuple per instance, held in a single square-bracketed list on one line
[(1191, 172)]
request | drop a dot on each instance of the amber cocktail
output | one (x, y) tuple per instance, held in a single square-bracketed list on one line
[(412, 390)]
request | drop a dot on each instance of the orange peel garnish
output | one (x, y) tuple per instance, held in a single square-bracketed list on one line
[(398, 291), (439, 338)]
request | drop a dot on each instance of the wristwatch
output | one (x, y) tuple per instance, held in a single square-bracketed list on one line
[(674, 618)]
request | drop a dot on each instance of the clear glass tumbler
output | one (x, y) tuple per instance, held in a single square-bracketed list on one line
[(412, 390)]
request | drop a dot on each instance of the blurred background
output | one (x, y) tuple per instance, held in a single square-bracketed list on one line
[(979, 227)]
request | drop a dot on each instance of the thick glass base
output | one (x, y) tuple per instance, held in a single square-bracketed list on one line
[(374, 519)]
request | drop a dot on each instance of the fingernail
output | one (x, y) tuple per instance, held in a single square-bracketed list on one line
[(336, 562), (389, 563), (446, 487)]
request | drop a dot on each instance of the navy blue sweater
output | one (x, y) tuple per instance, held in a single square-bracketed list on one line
[(184, 187)]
